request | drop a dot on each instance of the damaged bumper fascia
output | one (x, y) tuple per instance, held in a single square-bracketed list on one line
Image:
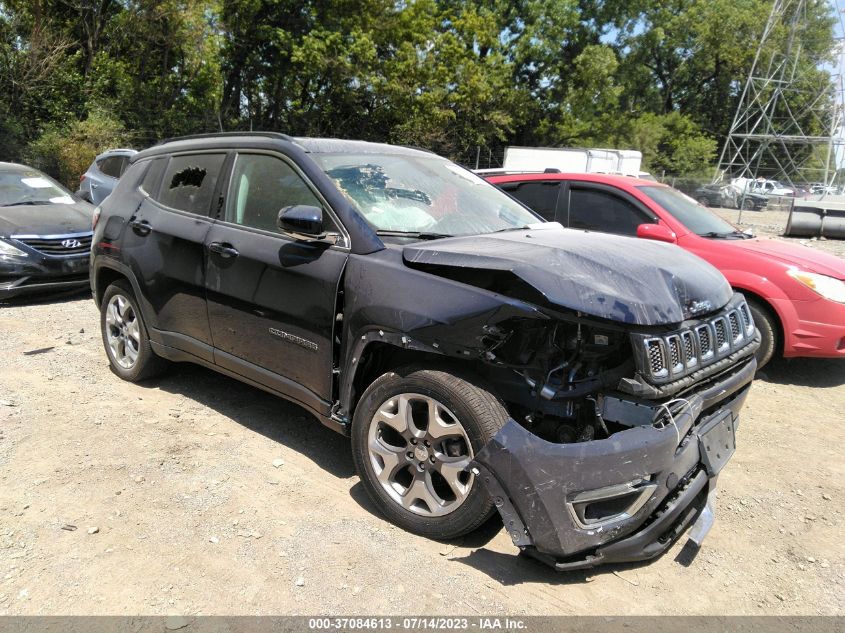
[(620, 499)]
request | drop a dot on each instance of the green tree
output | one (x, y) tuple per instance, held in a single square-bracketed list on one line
[(66, 152)]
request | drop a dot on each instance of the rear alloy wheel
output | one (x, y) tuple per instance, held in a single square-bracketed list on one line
[(125, 337), (704, 201), (414, 435), (748, 204)]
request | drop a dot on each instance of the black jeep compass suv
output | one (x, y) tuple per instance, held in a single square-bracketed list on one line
[(586, 386)]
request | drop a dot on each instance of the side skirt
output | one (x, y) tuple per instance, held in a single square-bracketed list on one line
[(319, 408)]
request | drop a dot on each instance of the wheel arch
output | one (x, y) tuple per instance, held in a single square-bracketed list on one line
[(380, 351), (106, 276), (107, 272), (767, 306)]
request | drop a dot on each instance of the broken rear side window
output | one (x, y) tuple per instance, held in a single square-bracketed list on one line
[(189, 182)]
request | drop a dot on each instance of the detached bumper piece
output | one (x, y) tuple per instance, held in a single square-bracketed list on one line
[(625, 498)]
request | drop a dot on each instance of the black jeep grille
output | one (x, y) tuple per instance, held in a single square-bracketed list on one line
[(721, 336), (655, 356), (58, 244), (674, 355)]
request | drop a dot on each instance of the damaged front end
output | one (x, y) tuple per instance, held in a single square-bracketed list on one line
[(617, 436), (623, 377)]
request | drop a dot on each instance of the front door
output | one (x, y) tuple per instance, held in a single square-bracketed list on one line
[(272, 299)]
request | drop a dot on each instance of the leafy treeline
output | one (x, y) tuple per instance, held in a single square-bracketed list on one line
[(661, 76)]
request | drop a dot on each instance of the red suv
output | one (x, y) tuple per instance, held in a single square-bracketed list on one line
[(796, 294)]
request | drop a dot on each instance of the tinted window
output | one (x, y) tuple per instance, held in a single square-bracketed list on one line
[(189, 182), (111, 166), (538, 196), (688, 212), (601, 211), (261, 185)]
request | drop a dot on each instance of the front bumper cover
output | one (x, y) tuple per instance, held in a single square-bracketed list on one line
[(534, 482), (40, 273)]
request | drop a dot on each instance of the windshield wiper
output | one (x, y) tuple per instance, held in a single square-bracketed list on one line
[(420, 235), (513, 228), (724, 236), (25, 202)]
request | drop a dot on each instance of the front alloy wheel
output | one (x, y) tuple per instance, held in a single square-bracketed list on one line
[(420, 452), (414, 434)]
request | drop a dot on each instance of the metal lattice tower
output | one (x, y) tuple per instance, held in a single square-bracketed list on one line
[(785, 129)]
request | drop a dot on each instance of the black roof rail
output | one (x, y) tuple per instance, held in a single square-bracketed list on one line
[(278, 135)]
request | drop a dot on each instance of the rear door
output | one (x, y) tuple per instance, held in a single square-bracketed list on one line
[(165, 245), (272, 299), (598, 207)]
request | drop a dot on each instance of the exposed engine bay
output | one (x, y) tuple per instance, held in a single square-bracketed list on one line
[(551, 375), (579, 380)]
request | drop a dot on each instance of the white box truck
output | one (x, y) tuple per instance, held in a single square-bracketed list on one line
[(570, 159)]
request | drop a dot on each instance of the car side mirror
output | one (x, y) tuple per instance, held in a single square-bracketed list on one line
[(658, 232), (303, 222)]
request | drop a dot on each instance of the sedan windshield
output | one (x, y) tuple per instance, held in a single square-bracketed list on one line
[(688, 212), (30, 187), (422, 196)]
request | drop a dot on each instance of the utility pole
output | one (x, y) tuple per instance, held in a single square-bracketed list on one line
[(785, 129)]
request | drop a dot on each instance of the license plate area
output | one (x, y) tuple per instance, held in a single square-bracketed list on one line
[(717, 442)]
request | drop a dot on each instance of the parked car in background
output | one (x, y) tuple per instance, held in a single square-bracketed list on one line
[(761, 186), (722, 196), (45, 233), (818, 188), (462, 342), (101, 177), (797, 294)]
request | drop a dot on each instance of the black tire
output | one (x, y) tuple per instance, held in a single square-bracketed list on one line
[(475, 408), (147, 364), (768, 326), (704, 201), (748, 204)]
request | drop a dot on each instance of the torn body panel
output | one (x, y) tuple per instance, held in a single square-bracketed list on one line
[(578, 505)]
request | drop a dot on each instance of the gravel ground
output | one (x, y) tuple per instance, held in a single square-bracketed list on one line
[(168, 498)]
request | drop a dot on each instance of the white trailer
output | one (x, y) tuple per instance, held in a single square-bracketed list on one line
[(571, 159)]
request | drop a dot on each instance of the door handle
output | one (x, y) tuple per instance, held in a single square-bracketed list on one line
[(224, 249), (141, 227)]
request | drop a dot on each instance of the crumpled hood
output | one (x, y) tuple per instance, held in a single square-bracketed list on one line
[(802, 257), (624, 279), (46, 219)]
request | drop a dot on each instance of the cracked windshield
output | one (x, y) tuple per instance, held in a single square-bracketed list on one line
[(404, 194)]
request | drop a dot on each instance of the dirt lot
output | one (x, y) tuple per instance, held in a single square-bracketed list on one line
[(773, 224), (179, 509)]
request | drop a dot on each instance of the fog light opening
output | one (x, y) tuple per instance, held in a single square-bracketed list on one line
[(604, 506)]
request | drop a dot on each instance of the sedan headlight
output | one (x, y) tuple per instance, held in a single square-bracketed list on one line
[(10, 253), (828, 287)]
